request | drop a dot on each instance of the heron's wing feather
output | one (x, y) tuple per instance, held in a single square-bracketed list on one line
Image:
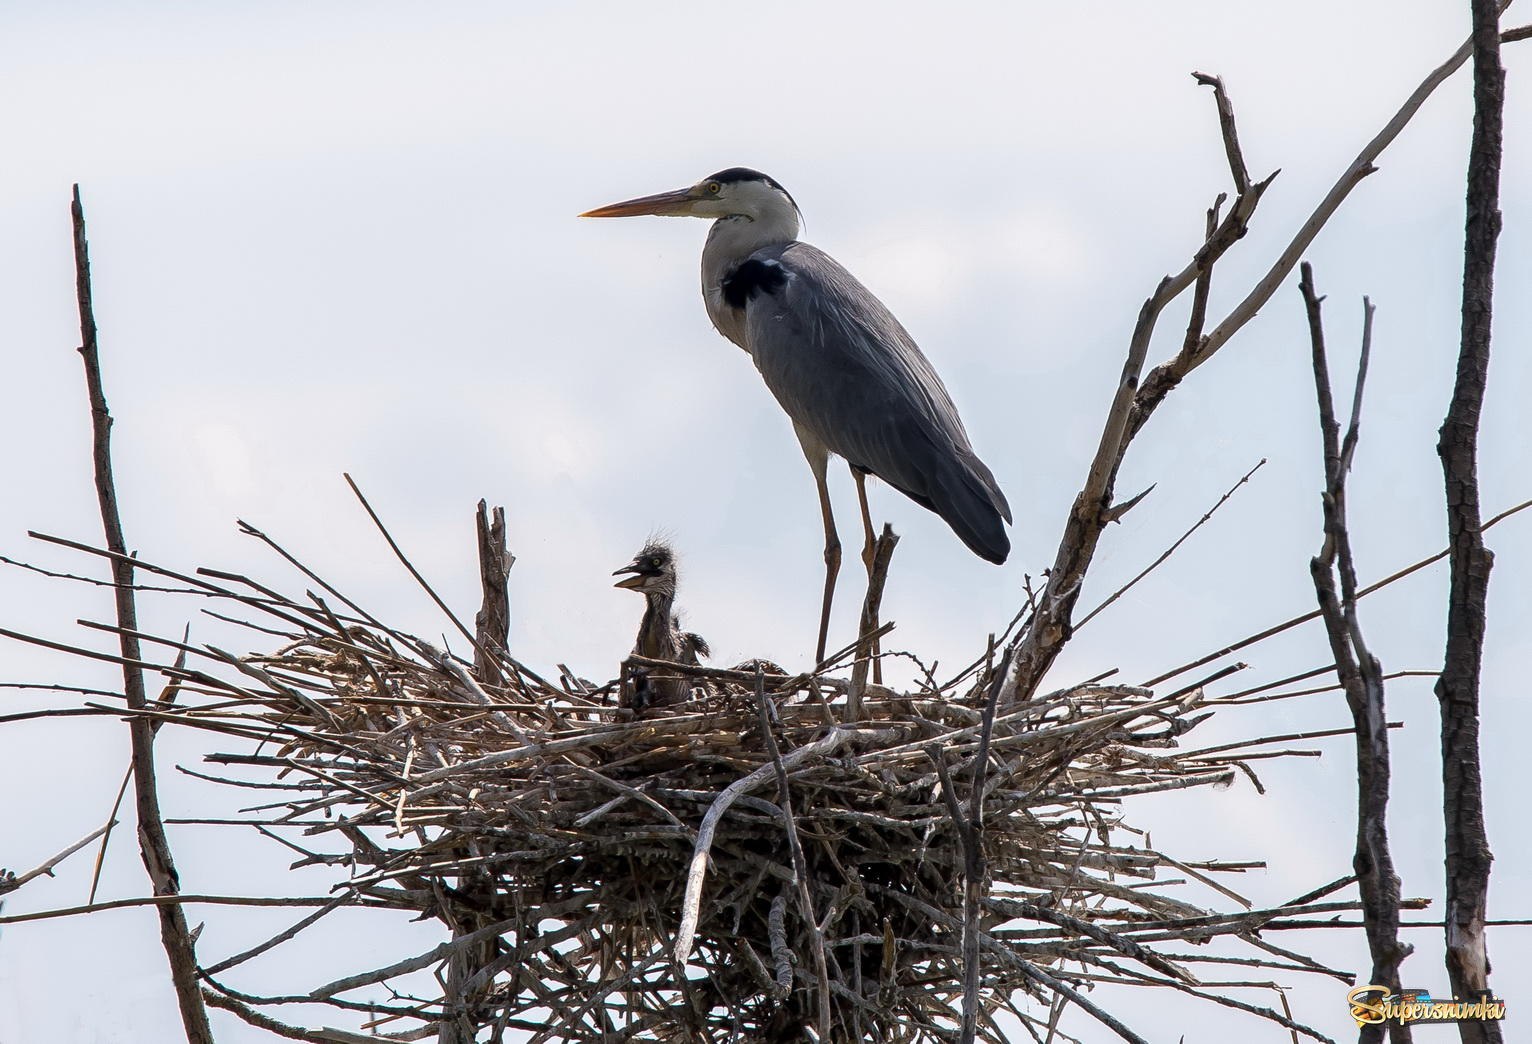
[(844, 370)]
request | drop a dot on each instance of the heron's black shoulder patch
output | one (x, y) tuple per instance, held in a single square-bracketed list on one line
[(750, 278)]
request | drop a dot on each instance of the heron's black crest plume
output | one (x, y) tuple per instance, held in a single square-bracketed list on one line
[(737, 174)]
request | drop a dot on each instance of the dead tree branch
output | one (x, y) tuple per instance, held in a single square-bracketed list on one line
[(867, 645), (1467, 842), (465, 989), (1358, 670), (1093, 508), (493, 622), (153, 843)]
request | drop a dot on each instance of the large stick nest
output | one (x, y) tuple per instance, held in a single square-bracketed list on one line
[(614, 879)]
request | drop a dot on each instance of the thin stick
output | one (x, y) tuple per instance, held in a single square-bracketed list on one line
[(1286, 625), (1152, 566), (405, 561), (163, 901), (10, 884)]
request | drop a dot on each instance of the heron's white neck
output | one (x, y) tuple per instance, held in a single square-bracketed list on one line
[(732, 240)]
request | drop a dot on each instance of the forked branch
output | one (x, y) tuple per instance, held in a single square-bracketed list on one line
[(1137, 396), (1358, 670)]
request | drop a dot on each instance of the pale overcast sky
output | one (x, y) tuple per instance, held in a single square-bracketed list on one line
[(341, 237)]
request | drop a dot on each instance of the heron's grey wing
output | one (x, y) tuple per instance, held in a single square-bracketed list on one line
[(844, 369)]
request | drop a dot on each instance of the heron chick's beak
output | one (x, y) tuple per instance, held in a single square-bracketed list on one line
[(632, 583), (677, 203)]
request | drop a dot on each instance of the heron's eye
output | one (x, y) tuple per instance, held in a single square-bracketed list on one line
[(654, 563), (714, 187)]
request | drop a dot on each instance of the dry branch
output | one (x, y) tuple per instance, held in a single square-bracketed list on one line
[(1457, 690), (1358, 670), (1134, 402), (153, 843)]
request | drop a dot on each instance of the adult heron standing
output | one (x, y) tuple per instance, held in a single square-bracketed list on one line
[(851, 379)]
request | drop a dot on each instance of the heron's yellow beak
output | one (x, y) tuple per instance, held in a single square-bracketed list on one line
[(670, 204)]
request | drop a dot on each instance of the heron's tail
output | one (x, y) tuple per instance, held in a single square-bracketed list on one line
[(968, 499)]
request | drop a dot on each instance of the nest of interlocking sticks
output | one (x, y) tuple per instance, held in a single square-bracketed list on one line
[(777, 858), (783, 857), (613, 880)]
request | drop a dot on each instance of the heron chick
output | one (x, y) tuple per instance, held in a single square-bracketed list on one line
[(652, 573), (851, 379)]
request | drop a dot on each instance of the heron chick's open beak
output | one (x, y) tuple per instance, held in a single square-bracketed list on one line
[(677, 203), (636, 581)]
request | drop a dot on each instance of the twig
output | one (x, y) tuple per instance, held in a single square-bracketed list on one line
[(1152, 566), (1289, 624), (106, 834), (254, 1018), (162, 901), (9, 883), (167, 696), (410, 566), (281, 937)]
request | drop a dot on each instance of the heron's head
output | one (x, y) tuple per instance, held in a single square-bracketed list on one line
[(738, 192), (652, 571)]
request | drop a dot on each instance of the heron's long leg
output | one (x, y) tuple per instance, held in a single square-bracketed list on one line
[(832, 556), (868, 551)]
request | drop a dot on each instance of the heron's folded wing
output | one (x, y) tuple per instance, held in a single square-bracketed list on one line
[(844, 369)]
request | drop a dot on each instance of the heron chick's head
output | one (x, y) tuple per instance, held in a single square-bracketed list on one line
[(738, 192), (652, 571)]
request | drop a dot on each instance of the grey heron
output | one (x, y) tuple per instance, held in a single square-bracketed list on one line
[(851, 379), (652, 573)]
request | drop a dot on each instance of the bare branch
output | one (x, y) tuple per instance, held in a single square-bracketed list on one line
[(153, 843), (1457, 690), (1359, 672), (10, 882), (1237, 169), (867, 645)]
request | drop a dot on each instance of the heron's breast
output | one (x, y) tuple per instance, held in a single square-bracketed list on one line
[(727, 319)]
